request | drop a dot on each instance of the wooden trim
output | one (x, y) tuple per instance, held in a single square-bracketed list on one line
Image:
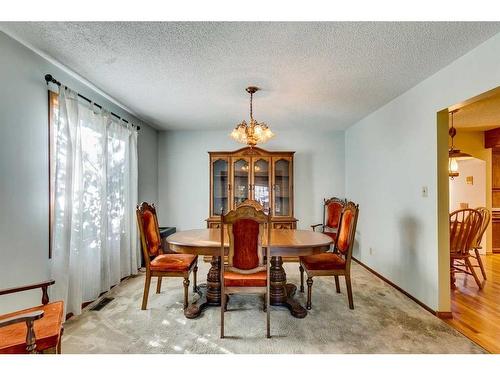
[(444, 314), (52, 98), (249, 151), (399, 289)]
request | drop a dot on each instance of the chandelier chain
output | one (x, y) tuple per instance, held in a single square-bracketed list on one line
[(251, 106)]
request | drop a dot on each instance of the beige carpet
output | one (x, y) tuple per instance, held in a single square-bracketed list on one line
[(383, 321)]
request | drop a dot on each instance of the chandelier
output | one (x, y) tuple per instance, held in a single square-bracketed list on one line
[(454, 154), (255, 132)]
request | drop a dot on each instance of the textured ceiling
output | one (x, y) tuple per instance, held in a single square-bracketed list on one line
[(481, 115), (193, 75)]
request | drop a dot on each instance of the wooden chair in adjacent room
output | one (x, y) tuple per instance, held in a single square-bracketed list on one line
[(332, 209), (337, 263), (34, 330), (159, 264), (465, 226), (486, 214), (247, 269)]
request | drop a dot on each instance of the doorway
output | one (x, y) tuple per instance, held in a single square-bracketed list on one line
[(475, 309)]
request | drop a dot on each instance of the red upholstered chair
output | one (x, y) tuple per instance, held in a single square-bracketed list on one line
[(247, 271), (332, 209), (465, 226), (159, 264), (337, 263), (35, 330)]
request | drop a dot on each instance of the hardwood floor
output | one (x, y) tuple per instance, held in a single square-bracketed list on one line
[(476, 313)]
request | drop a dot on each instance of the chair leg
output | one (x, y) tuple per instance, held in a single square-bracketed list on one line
[(226, 302), (222, 309), (349, 291), (452, 274), (309, 292), (337, 284), (265, 303), (195, 286), (158, 285), (301, 278), (480, 262), (186, 291), (147, 283), (473, 272), (268, 312)]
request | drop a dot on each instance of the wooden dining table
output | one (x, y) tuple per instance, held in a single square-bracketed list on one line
[(284, 243)]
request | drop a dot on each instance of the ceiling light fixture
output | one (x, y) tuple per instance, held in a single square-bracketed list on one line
[(454, 155), (255, 132)]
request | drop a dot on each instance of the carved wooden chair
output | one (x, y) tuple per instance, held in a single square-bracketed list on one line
[(159, 264), (465, 226), (247, 270), (486, 214), (332, 209), (337, 263), (35, 330)]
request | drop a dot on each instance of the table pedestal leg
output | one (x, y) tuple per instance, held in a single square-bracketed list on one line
[(281, 292), (210, 292)]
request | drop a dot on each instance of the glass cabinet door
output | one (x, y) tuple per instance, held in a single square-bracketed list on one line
[(282, 187), (261, 181), (220, 183), (241, 180)]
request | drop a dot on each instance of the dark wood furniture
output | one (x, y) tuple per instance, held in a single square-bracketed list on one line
[(284, 243), (255, 174), (465, 225), (332, 210), (34, 330), (159, 264), (337, 263), (247, 269), (486, 216)]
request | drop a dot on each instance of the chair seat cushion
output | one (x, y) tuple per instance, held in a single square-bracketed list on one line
[(172, 262), (47, 329), (250, 280), (324, 261)]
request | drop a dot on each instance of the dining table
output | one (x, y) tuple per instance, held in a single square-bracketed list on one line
[(284, 243)]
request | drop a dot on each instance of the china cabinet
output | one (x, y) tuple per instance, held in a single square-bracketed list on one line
[(252, 173)]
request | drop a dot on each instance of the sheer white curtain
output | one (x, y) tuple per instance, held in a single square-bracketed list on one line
[(94, 233)]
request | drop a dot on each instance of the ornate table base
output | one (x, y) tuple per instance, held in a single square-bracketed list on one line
[(281, 292)]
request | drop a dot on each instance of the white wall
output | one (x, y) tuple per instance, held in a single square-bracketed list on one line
[(24, 167), (391, 155), (184, 172), (474, 195)]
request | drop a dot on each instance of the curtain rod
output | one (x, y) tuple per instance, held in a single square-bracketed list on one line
[(50, 79)]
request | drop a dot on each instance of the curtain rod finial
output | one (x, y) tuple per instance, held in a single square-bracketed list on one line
[(48, 78)]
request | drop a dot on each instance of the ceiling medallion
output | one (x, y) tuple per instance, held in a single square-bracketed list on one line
[(255, 132)]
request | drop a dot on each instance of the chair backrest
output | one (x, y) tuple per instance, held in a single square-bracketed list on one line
[(347, 230), (465, 225), (247, 226), (486, 214), (149, 230), (332, 210)]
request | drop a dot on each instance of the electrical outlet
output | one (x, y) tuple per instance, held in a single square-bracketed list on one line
[(425, 192)]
